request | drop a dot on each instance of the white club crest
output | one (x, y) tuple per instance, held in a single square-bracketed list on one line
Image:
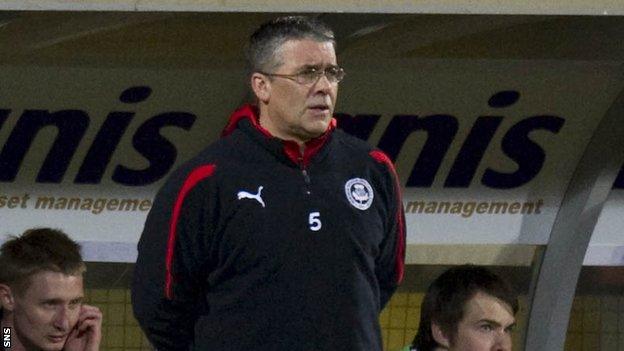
[(359, 193)]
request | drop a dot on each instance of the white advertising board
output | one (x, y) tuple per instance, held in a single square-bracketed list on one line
[(485, 148)]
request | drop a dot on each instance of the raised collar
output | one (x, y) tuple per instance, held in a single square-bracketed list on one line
[(290, 148)]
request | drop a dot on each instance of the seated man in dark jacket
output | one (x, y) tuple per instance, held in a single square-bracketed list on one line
[(467, 308)]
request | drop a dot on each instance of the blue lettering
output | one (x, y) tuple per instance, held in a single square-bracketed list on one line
[(4, 115), (71, 126), (360, 126), (441, 130), (527, 154), (473, 149), (108, 137), (504, 98), (619, 181), (155, 148)]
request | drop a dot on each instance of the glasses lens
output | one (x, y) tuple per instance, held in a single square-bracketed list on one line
[(335, 74), (309, 76)]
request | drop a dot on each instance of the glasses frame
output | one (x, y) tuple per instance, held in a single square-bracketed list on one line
[(299, 77)]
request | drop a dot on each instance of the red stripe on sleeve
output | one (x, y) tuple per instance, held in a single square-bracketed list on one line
[(197, 175), (381, 157)]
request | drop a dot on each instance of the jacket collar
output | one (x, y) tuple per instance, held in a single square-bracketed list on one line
[(290, 148)]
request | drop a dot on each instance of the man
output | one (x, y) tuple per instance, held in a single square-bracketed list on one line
[(286, 234), (467, 308), (41, 292)]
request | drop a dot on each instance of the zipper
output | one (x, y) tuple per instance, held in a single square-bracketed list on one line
[(306, 176)]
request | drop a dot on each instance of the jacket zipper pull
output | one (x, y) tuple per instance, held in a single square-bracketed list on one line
[(306, 176)]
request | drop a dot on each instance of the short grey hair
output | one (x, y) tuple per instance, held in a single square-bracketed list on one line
[(265, 43)]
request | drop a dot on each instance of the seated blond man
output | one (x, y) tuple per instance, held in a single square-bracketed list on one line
[(41, 295)]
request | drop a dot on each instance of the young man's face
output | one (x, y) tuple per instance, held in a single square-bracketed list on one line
[(486, 326), (301, 111), (48, 310)]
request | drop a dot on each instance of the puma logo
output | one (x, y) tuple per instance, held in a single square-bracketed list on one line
[(248, 195)]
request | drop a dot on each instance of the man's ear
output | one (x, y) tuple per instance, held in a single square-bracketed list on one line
[(261, 86), (7, 301), (439, 336)]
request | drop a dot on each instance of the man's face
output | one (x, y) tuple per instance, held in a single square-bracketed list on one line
[(301, 112), (486, 326), (47, 311)]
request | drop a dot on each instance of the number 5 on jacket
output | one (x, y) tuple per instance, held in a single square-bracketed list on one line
[(315, 221)]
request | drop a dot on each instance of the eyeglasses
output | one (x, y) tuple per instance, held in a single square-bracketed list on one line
[(311, 75)]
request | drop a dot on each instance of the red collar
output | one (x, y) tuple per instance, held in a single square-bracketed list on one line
[(249, 112), (291, 148)]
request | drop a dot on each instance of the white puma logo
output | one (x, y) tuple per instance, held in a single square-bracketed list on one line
[(247, 195)]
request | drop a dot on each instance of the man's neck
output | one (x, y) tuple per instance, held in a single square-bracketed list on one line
[(267, 123)]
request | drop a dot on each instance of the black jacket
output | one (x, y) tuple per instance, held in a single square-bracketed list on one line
[(252, 246)]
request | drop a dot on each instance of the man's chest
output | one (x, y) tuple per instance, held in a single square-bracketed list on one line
[(289, 208)]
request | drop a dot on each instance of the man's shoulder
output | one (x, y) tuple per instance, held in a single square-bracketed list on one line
[(351, 143), (215, 152), (352, 149), (356, 148), (204, 164)]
